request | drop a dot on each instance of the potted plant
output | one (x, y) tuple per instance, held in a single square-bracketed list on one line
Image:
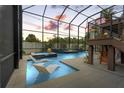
[(106, 13), (95, 32)]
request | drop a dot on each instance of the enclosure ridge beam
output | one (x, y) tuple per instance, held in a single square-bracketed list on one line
[(44, 10), (100, 7), (32, 13), (28, 7), (63, 12), (79, 13)]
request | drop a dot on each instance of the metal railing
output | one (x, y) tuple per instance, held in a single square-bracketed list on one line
[(102, 28)]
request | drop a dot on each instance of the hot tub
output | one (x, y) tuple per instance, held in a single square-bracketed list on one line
[(43, 55)]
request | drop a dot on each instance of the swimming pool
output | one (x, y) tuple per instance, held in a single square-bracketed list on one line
[(34, 77)]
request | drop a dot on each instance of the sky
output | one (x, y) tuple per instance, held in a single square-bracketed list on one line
[(31, 22)]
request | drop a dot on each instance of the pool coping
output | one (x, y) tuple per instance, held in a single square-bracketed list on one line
[(70, 65)]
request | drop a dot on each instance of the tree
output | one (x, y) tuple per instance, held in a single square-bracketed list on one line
[(32, 38), (65, 41)]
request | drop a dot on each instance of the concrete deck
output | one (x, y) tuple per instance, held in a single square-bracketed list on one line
[(88, 76), (18, 78)]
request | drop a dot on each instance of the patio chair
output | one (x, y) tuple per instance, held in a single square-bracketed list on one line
[(49, 69), (34, 60)]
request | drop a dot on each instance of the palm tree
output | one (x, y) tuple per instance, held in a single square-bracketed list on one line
[(106, 13)]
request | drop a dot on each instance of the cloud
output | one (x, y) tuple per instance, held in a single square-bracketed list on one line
[(51, 25), (66, 27)]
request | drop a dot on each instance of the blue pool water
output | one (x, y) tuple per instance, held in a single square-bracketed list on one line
[(34, 77)]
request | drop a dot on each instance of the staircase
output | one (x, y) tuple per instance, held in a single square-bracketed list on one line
[(114, 39), (118, 44)]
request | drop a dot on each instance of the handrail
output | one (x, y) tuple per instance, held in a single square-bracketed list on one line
[(6, 57)]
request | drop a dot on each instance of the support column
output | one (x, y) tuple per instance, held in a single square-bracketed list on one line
[(111, 58), (78, 37), (90, 52), (58, 47), (122, 58), (69, 35), (16, 36), (20, 31)]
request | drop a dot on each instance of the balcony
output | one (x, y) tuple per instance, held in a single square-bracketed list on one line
[(102, 33)]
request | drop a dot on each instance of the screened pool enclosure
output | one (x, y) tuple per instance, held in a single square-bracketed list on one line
[(62, 26)]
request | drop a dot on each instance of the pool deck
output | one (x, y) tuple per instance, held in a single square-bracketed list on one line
[(88, 76)]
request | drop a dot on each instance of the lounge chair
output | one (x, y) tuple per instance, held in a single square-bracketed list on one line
[(42, 60), (49, 69)]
